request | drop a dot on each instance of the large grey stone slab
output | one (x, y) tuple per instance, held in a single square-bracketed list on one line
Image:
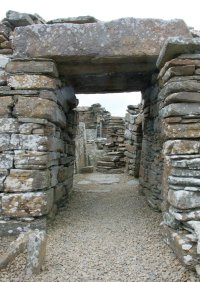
[(177, 46), (100, 57)]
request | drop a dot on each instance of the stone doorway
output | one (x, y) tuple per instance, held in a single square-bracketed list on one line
[(52, 62)]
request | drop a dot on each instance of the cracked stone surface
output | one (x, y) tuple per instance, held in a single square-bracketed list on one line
[(107, 236)]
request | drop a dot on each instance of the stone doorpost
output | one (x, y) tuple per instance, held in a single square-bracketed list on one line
[(37, 130), (179, 96)]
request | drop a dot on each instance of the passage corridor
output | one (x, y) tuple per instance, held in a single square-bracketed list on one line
[(107, 232)]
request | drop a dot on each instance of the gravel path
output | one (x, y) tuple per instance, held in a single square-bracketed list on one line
[(108, 233)]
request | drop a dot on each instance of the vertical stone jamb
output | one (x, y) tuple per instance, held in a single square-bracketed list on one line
[(37, 148), (179, 96)]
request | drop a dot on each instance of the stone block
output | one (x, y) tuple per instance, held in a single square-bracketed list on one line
[(34, 142), (31, 159), (186, 161), (182, 60), (177, 131), (6, 160), (186, 97), (36, 250), (181, 147), (184, 181), (178, 71), (27, 204), (34, 107), (32, 66), (64, 173), (3, 174), (4, 30), (26, 180), (5, 142), (19, 19), (183, 246), (15, 227), (187, 85), (8, 125), (3, 38), (6, 106), (28, 81), (186, 215), (175, 46), (180, 109), (184, 199)]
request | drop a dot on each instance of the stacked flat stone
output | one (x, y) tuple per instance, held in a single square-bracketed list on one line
[(179, 81), (114, 159), (150, 174), (133, 140), (37, 130), (96, 120)]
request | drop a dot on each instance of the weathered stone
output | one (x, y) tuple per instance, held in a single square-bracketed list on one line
[(189, 97), (64, 173), (6, 160), (34, 81), (6, 45), (3, 174), (27, 204), (6, 51), (36, 250), (35, 142), (39, 108), (177, 131), (183, 60), (34, 159), (185, 172), (3, 38), (6, 106), (34, 242), (185, 216), (100, 43), (181, 147), (175, 46), (15, 227), (19, 19), (197, 71), (4, 142), (87, 169), (180, 109), (178, 71), (182, 245), (179, 86), (26, 180), (74, 20), (33, 67), (184, 199), (184, 181), (4, 30), (9, 125), (186, 161)]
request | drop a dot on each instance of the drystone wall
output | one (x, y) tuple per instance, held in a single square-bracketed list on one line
[(37, 127), (114, 159), (179, 109), (133, 139), (38, 123), (150, 174)]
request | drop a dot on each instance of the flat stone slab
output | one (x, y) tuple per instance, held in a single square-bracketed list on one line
[(176, 46), (100, 179), (100, 57)]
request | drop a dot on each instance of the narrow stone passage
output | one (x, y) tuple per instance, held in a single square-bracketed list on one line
[(108, 233)]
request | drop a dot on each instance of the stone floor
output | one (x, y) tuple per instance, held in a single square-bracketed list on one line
[(107, 233)]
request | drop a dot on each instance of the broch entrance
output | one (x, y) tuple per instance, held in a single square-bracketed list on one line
[(42, 70)]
